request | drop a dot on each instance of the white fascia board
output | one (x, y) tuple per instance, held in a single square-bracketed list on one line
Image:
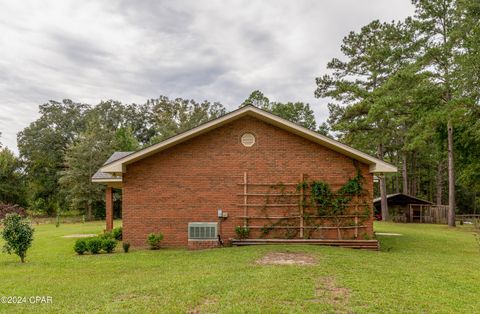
[(383, 168), (104, 180)]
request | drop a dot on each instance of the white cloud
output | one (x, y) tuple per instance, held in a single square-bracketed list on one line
[(135, 50)]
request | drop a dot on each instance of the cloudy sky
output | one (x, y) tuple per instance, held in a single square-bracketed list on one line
[(201, 49)]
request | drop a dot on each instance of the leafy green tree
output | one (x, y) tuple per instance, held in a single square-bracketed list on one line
[(11, 178), (405, 100), (173, 116), (17, 234), (324, 129), (141, 122), (85, 156), (82, 160), (467, 78), (124, 140), (297, 112), (438, 24), (257, 99), (372, 56), (467, 33), (402, 88), (42, 147)]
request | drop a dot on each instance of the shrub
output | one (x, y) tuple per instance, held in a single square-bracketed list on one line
[(94, 245), (108, 245), (106, 235), (126, 246), (18, 235), (118, 233), (154, 240), (80, 246), (242, 232)]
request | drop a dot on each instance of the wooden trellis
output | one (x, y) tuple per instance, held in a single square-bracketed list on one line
[(298, 216)]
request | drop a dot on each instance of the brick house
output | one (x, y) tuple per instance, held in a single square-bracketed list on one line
[(242, 169)]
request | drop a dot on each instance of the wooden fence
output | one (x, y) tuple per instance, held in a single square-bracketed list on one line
[(436, 214), (470, 218)]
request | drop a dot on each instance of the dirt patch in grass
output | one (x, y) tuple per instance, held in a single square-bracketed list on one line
[(328, 291), (201, 307), (126, 297), (79, 236), (287, 258)]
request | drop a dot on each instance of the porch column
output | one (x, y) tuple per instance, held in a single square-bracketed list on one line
[(109, 208)]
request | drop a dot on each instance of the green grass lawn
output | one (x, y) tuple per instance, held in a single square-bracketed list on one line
[(430, 269)]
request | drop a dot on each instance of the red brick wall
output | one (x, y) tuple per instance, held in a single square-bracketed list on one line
[(201, 245), (190, 181)]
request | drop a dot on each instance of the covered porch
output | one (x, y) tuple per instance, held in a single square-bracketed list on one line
[(113, 183), (109, 206)]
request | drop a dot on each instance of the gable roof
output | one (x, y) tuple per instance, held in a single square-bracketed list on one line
[(401, 199), (376, 165)]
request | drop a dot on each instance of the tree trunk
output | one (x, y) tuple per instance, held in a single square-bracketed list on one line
[(383, 187), (451, 177), (397, 184), (413, 180), (439, 183), (383, 196), (89, 211), (404, 173), (22, 258)]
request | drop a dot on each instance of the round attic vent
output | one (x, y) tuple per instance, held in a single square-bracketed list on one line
[(248, 139)]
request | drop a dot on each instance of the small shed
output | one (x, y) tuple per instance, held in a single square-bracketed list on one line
[(407, 208)]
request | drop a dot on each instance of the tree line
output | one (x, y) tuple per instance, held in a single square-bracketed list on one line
[(406, 91)]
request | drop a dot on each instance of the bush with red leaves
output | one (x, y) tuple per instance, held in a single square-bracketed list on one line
[(8, 209)]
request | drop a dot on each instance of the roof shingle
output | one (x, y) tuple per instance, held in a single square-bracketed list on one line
[(115, 156)]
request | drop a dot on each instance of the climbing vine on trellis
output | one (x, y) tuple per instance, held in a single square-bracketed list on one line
[(290, 231), (330, 206), (326, 204)]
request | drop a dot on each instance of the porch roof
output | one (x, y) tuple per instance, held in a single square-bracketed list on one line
[(105, 177)]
